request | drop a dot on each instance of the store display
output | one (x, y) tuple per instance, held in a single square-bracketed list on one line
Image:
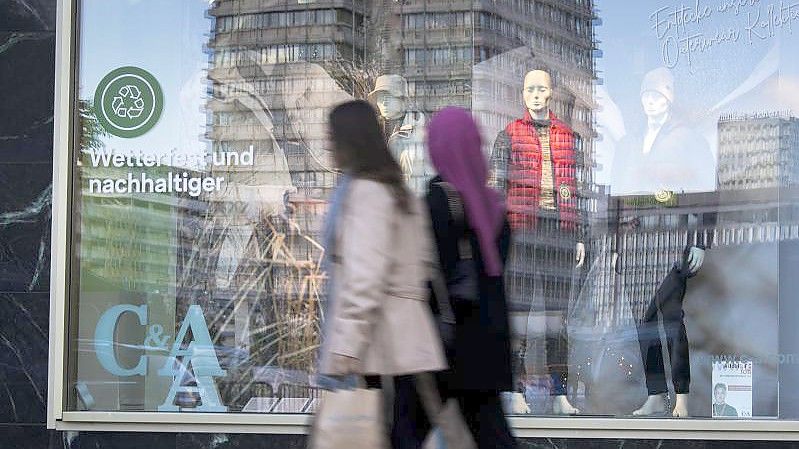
[(404, 130), (650, 172), (533, 161)]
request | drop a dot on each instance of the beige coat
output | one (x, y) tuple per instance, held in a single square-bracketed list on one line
[(381, 262)]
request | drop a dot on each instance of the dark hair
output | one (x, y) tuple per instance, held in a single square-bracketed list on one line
[(361, 150), (720, 386)]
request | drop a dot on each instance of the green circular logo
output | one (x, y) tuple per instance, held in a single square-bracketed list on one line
[(128, 102)]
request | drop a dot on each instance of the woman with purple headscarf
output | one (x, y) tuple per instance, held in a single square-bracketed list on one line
[(468, 221)]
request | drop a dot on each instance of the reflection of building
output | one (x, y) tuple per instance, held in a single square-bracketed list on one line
[(275, 71), (109, 257), (653, 234), (444, 44), (511, 39), (128, 244), (757, 151), (276, 68), (758, 161)]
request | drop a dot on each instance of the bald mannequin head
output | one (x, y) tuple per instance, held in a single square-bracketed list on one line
[(537, 93)]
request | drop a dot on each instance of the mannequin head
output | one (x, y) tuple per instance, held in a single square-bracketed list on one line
[(537, 93), (655, 104), (389, 96), (390, 107), (657, 92), (720, 393)]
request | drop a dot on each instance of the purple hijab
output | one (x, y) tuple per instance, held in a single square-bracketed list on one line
[(454, 143)]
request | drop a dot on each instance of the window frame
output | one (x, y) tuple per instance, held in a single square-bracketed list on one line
[(60, 419)]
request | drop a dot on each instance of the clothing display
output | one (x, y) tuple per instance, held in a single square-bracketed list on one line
[(405, 138), (517, 168), (391, 127), (547, 172), (669, 302), (669, 156), (538, 284), (534, 162)]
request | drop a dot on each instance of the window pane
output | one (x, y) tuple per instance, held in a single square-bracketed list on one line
[(204, 170)]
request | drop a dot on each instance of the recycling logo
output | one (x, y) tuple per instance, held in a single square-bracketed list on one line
[(128, 102)]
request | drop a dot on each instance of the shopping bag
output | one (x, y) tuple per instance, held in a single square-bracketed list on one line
[(605, 355), (350, 419), (446, 416)]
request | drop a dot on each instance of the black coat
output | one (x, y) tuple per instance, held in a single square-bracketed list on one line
[(680, 161), (480, 358)]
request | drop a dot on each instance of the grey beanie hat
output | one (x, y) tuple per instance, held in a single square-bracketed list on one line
[(661, 81)]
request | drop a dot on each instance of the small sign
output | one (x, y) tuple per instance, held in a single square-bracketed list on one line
[(732, 388), (565, 191), (128, 102)]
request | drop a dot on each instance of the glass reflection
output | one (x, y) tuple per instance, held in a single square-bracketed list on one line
[(653, 198)]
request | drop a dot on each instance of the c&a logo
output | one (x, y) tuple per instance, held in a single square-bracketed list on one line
[(196, 356)]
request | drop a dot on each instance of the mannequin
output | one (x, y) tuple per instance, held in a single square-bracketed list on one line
[(668, 155), (533, 162), (666, 158), (404, 130)]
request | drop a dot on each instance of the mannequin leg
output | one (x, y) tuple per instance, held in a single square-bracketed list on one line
[(654, 405), (652, 352), (680, 406), (562, 406), (679, 353), (680, 366), (557, 348), (652, 357), (677, 340)]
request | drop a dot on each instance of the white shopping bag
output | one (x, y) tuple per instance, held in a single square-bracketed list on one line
[(349, 419)]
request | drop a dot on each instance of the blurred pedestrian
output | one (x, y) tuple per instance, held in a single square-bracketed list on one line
[(378, 252), (472, 237)]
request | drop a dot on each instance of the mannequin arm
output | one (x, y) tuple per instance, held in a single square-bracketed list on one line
[(500, 157), (695, 259), (579, 255)]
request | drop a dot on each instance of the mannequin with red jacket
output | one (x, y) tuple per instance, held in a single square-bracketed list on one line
[(534, 164)]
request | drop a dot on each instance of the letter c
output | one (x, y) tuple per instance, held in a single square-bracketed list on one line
[(104, 340)]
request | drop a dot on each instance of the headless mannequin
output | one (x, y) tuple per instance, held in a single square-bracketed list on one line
[(658, 110), (537, 95)]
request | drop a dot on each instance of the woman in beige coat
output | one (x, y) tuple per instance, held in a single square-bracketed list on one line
[(379, 252)]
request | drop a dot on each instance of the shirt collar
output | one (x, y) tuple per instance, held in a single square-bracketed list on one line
[(528, 118)]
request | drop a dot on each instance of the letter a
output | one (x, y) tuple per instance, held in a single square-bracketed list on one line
[(201, 356)]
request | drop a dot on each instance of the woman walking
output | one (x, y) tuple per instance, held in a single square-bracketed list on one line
[(378, 252), (472, 237)]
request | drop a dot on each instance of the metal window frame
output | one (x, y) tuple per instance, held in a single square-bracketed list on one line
[(59, 419)]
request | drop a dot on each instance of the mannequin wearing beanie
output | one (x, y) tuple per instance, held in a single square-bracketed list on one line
[(540, 200), (668, 157), (664, 162), (403, 129)]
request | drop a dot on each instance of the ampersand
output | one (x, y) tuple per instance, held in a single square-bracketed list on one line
[(155, 337)]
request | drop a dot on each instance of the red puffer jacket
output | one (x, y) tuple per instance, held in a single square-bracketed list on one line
[(524, 173)]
